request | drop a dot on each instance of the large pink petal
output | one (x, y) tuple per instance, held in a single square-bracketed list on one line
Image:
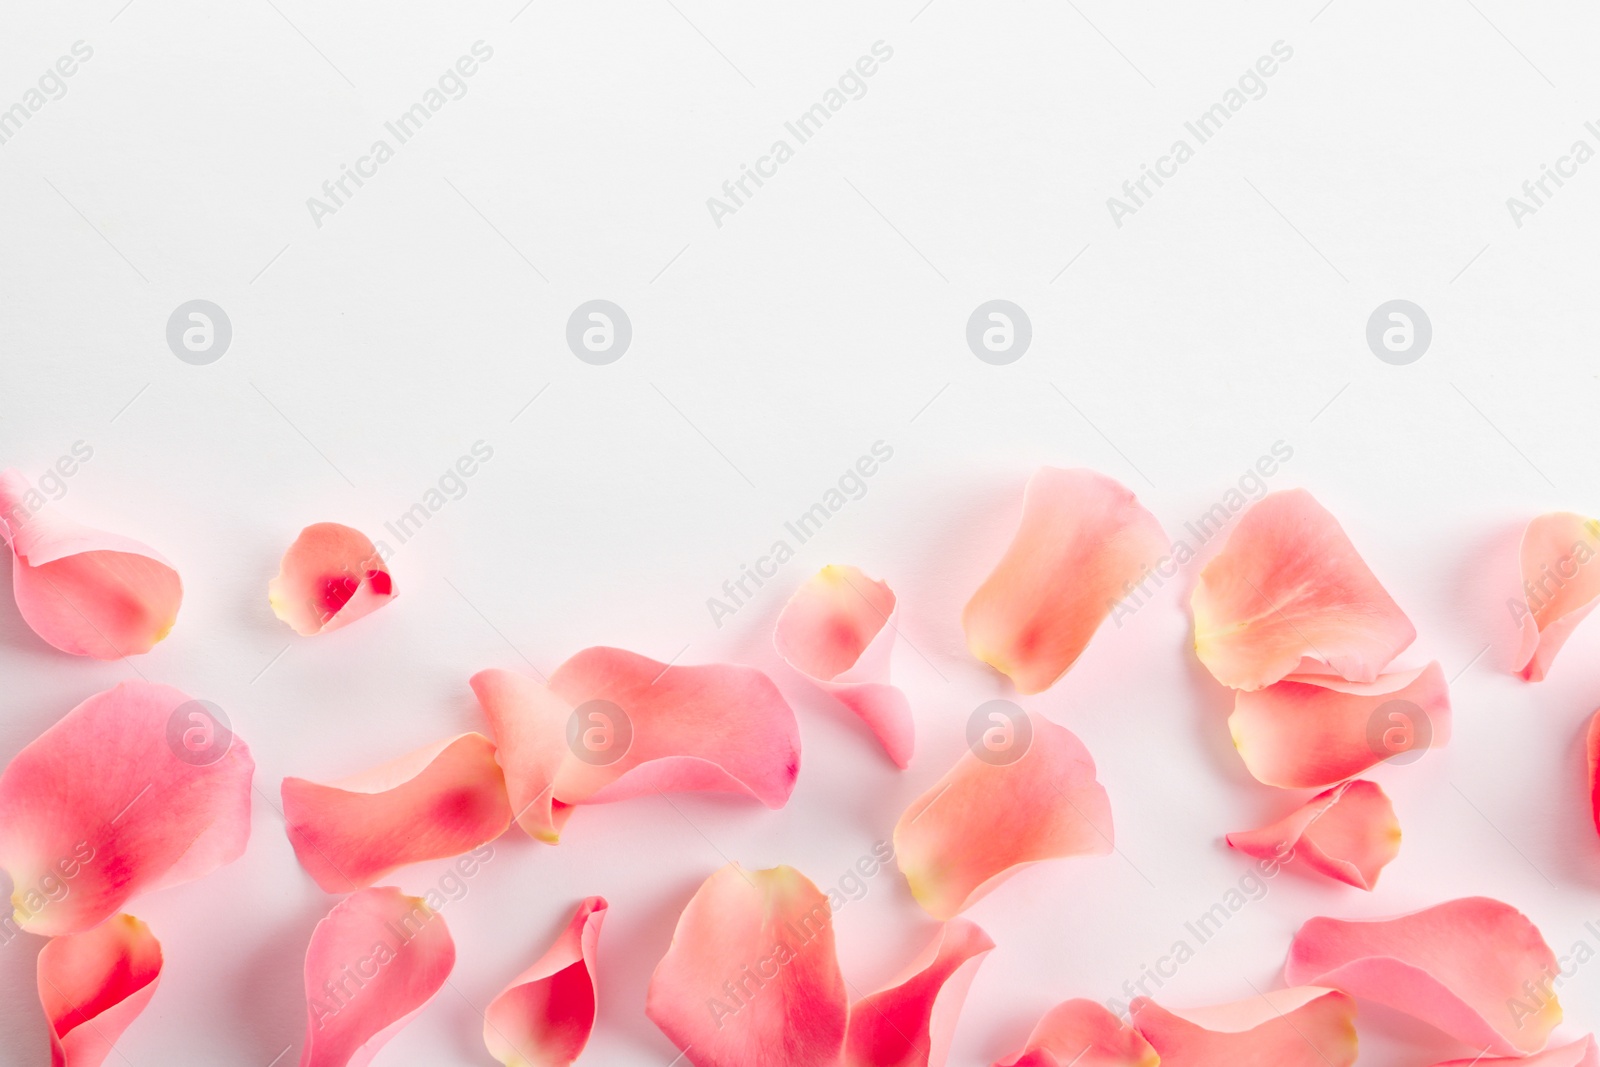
[(529, 726), (1081, 1033), (93, 985), (751, 979), (101, 806), (84, 591), (1459, 966), (1301, 1027), (1083, 542), (1560, 582), (331, 576), (910, 1022), (1348, 833), (544, 1017), (1289, 586), (435, 802), (1578, 1054), (984, 820), (373, 963)]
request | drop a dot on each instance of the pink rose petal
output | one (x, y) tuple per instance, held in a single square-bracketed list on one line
[(1301, 1027), (910, 1022), (93, 985), (1081, 1033), (1578, 1054), (544, 1017), (331, 576), (1348, 833), (1560, 583)]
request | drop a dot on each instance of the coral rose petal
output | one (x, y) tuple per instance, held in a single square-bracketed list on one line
[(990, 816), (751, 979), (529, 725), (544, 1017), (103, 803), (1594, 769), (1459, 966), (910, 1022), (1578, 1054), (1083, 540), (84, 591), (1348, 833), (93, 985), (1081, 1033), (374, 962), (1288, 585), (331, 576), (1301, 1027), (1560, 582), (438, 801)]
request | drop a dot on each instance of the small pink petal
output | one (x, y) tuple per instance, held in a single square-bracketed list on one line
[(1559, 586), (910, 1022), (1348, 833), (1594, 769), (1578, 1054), (1081, 1033), (544, 1017), (93, 985), (331, 576), (1301, 1027)]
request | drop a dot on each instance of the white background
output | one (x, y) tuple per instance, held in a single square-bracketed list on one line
[(768, 354)]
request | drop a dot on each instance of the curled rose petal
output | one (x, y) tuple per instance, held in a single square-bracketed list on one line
[(751, 979), (1594, 769), (1081, 1033), (435, 802), (1460, 966), (84, 591), (1348, 833), (1083, 542), (838, 630), (331, 576), (123, 795), (93, 985), (1289, 586), (374, 962), (544, 1017), (1559, 586), (909, 1023), (1310, 731), (1301, 1027), (996, 813), (529, 726), (1578, 1054)]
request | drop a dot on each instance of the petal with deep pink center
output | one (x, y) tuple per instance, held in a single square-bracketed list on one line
[(331, 576), (544, 1017), (910, 1022), (93, 985)]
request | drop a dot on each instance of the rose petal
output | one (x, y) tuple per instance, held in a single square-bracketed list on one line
[(84, 591), (544, 1017), (751, 979), (1083, 541), (910, 1022), (102, 803), (984, 820), (1287, 586), (1559, 586), (1081, 1033), (838, 630), (1578, 1054), (1594, 769), (1302, 733), (1348, 833), (1302, 1027), (436, 802), (93, 985), (529, 726), (1459, 966), (331, 576), (373, 963)]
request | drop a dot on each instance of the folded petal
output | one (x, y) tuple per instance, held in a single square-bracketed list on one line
[(438, 801), (544, 1017), (1083, 542), (1460, 966), (374, 962), (104, 805), (1289, 586), (1559, 584), (1081, 1033), (331, 576), (838, 630), (1301, 1027), (93, 985), (909, 1022), (1594, 769), (1309, 731), (986, 819), (1348, 833), (751, 979), (84, 591), (1578, 1054), (529, 725)]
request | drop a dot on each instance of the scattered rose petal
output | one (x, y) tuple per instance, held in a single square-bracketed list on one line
[(1558, 585), (1594, 769), (93, 985), (1301, 1027), (544, 1017), (529, 725), (1348, 833), (1083, 543), (751, 979), (84, 591), (910, 1022), (331, 576), (1081, 1033), (1578, 1054)]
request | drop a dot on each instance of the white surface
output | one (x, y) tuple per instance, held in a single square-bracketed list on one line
[(790, 339)]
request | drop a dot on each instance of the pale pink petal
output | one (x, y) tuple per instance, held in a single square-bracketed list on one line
[(1302, 1027), (84, 591), (1083, 544), (751, 979), (1459, 966), (1559, 585), (1594, 769), (101, 807), (331, 576), (529, 726), (910, 1022), (1348, 833), (1578, 1054), (1288, 586), (544, 1017), (373, 963), (1081, 1033), (438, 801), (985, 820), (93, 985)]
